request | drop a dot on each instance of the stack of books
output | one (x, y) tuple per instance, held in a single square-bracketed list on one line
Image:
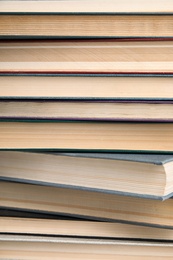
[(86, 129)]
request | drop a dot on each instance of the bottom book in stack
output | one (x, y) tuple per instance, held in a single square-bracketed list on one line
[(34, 247)]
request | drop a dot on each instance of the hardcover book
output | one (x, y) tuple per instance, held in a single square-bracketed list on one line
[(86, 56), (91, 87), (113, 18), (80, 228), (87, 136), (66, 248), (86, 204), (83, 110), (142, 175)]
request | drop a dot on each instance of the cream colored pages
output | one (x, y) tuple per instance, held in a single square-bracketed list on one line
[(85, 203), (87, 136), (87, 26), (86, 111), (87, 87), (91, 57), (84, 6), (81, 228)]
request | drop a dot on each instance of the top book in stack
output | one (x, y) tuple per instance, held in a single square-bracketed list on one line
[(111, 18)]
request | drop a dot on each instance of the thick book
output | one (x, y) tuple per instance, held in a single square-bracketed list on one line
[(113, 18), (142, 175), (86, 204), (87, 136), (81, 228), (85, 110), (86, 56), (91, 87), (66, 248)]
